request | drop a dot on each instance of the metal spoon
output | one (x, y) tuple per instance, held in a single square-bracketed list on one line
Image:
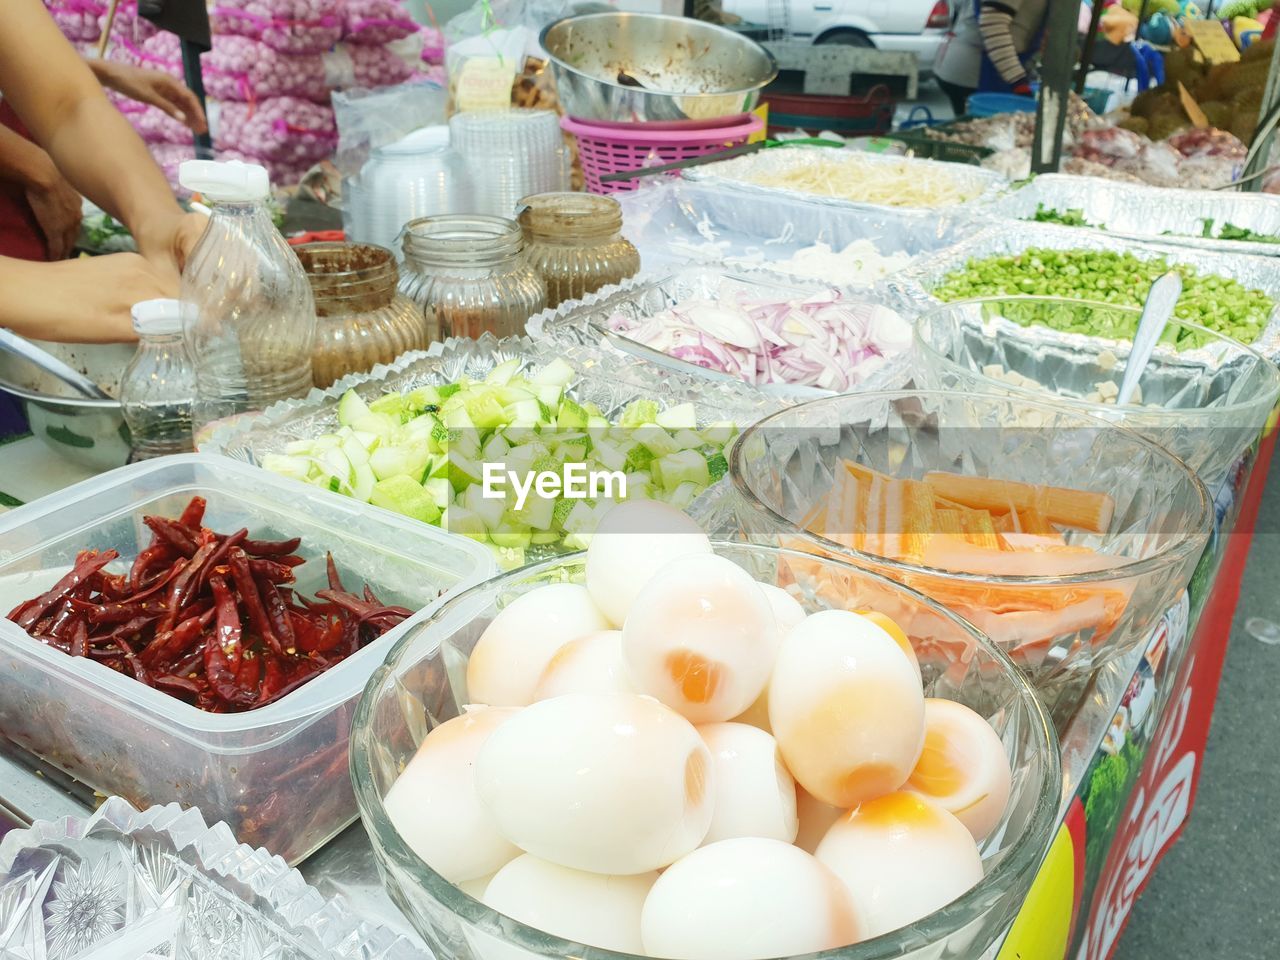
[(1161, 299), (21, 347)]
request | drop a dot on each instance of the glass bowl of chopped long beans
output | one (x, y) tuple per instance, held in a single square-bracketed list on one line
[(1062, 537), (173, 634), (1208, 405)]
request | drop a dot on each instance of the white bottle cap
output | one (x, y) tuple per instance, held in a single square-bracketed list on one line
[(229, 180), (157, 317)]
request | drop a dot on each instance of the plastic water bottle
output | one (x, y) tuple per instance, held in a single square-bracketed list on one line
[(248, 315), (158, 384)]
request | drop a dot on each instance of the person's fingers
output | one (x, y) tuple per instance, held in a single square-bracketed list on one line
[(180, 103)]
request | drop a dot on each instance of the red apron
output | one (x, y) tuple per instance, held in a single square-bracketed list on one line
[(20, 233)]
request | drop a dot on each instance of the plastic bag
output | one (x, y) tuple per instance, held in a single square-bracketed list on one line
[(290, 26), (376, 21), (240, 68), (160, 52), (77, 19), (375, 67), (128, 24), (483, 69), (373, 118), (286, 130)]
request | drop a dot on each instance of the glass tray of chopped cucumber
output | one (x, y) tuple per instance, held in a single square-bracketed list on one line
[(1230, 294), (1207, 219), (430, 435)]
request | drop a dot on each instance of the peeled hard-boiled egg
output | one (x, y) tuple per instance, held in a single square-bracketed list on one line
[(433, 804), (590, 908), (786, 608), (590, 664), (514, 650), (702, 638), (846, 708), (899, 635), (755, 795), (963, 767), (633, 542), (610, 783), (815, 819), (747, 899), (901, 857)]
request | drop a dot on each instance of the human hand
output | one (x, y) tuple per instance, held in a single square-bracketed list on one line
[(56, 206), (168, 243), (154, 87)]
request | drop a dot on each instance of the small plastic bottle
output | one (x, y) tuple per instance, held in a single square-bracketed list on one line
[(159, 383), (249, 316)]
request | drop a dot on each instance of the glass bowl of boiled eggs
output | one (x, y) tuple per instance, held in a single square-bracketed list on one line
[(677, 748)]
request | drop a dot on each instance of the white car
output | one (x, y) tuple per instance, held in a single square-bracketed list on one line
[(906, 26)]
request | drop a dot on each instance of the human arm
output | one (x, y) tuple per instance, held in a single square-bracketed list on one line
[(53, 90), (86, 300), (53, 201), (995, 21), (154, 87)]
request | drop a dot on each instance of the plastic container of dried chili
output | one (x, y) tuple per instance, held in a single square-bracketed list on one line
[(276, 774)]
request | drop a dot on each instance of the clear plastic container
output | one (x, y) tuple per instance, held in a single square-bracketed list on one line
[(469, 276), (361, 318), (278, 775), (510, 154), (575, 243), (252, 320), (157, 386), (422, 685)]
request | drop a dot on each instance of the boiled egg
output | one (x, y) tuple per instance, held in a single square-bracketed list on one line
[(846, 708), (786, 609), (899, 635), (747, 899), (590, 664), (633, 542), (604, 782), (590, 908), (755, 795), (963, 766), (475, 888), (814, 819), (901, 857), (434, 806), (514, 650), (702, 638)]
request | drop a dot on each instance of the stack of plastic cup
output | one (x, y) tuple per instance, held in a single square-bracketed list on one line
[(417, 176), (510, 154)]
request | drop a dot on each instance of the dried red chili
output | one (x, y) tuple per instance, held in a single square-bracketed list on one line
[(206, 617)]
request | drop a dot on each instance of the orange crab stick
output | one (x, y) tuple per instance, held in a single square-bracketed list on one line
[(1084, 509)]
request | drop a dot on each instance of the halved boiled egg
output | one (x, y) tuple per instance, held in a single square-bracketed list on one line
[(901, 857), (963, 766), (609, 783), (846, 708), (701, 637)]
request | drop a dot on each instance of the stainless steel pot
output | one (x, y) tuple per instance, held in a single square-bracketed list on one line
[(88, 432), (688, 73)]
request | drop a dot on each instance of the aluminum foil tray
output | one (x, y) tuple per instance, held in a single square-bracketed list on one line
[(911, 291), (162, 885), (1149, 213), (607, 378), (981, 186), (675, 222), (586, 321)]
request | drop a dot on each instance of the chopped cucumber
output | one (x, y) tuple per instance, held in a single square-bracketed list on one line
[(680, 417), (295, 468), (405, 496), (686, 466), (503, 372), (351, 408), (638, 413), (556, 372)]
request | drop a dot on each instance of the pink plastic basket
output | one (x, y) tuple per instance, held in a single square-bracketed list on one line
[(619, 149)]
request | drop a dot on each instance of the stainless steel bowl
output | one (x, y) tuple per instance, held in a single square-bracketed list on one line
[(690, 73), (88, 432)]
